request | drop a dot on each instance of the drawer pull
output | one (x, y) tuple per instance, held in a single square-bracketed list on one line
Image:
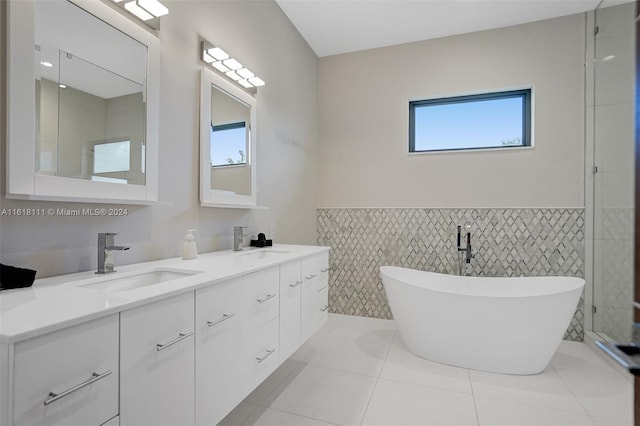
[(224, 317), (181, 336), (267, 297), (53, 397), (297, 283), (325, 270), (267, 355), (310, 276), (325, 308)]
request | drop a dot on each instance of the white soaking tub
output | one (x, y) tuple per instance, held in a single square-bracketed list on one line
[(500, 325)]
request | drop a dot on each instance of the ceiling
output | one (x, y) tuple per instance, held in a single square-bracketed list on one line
[(332, 27)]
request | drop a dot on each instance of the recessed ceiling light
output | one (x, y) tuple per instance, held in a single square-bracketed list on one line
[(46, 64)]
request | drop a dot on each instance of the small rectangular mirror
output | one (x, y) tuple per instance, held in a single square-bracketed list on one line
[(227, 144), (82, 103)]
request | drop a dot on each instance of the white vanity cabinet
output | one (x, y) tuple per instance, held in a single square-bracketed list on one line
[(66, 377), (218, 345), (157, 363), (290, 308), (186, 358)]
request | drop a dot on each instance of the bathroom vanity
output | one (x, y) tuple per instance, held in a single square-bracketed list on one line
[(165, 342)]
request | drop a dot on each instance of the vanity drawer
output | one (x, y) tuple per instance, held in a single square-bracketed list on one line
[(68, 376), (310, 268), (260, 354), (218, 345), (260, 298), (157, 362)]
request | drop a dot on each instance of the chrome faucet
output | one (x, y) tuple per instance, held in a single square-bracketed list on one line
[(237, 237), (467, 249), (105, 252)]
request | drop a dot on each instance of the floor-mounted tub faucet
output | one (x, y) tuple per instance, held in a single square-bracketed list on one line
[(467, 249), (106, 247)]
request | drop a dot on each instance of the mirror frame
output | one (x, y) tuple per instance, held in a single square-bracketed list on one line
[(210, 197), (22, 180)]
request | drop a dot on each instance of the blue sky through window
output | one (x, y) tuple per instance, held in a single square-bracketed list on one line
[(486, 123), (226, 144)]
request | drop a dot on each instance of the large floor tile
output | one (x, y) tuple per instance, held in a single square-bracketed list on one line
[(239, 414), (598, 387), (355, 349), (269, 417), (401, 365), (261, 394), (543, 390), (327, 395), (609, 422), (497, 412), (396, 403)]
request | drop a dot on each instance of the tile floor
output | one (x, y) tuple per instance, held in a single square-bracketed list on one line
[(356, 371)]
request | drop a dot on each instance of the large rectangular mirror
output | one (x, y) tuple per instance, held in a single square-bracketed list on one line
[(83, 103), (227, 144)]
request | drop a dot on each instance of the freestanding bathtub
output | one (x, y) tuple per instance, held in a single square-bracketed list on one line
[(500, 325)]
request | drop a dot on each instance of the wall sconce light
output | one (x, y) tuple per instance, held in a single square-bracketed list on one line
[(145, 9), (220, 60)]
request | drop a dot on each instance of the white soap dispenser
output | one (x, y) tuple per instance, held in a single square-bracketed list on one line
[(189, 248)]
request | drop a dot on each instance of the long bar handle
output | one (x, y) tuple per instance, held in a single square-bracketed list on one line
[(53, 397), (267, 355), (181, 336), (267, 297), (325, 270), (325, 308), (310, 276), (224, 317), (296, 284)]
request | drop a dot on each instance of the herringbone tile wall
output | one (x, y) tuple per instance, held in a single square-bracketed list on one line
[(506, 242)]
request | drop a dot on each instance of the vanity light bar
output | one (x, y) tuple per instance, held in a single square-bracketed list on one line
[(133, 7), (145, 9), (154, 7), (230, 67)]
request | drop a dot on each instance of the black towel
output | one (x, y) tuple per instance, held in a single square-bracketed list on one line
[(13, 277), (261, 241)]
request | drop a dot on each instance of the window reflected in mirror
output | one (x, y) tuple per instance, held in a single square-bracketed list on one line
[(230, 141), (90, 103)]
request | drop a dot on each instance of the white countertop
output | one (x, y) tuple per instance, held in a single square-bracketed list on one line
[(58, 302)]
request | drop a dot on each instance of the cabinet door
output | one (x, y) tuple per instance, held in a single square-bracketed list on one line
[(323, 267), (260, 298), (323, 287), (69, 376), (309, 317), (290, 300), (323, 306), (157, 363), (218, 345)]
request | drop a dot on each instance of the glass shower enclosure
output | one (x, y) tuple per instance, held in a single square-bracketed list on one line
[(609, 167)]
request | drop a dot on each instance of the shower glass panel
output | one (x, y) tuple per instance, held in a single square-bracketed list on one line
[(610, 112)]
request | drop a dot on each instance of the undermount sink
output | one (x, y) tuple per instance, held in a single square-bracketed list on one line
[(263, 254), (137, 280)]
